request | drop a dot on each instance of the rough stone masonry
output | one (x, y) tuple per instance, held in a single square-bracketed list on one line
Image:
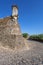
[(10, 33)]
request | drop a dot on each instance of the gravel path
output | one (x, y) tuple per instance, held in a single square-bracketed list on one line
[(31, 56)]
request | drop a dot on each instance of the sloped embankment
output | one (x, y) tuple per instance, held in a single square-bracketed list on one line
[(32, 56)]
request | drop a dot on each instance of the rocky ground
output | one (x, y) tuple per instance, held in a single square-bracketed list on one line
[(30, 56)]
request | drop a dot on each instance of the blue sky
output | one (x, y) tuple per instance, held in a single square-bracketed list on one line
[(30, 14)]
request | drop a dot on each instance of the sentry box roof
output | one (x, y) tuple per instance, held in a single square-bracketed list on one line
[(14, 6)]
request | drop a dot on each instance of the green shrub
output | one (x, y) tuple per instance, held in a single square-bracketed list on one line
[(25, 35), (36, 37)]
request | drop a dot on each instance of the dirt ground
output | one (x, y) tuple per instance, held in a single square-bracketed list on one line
[(30, 56)]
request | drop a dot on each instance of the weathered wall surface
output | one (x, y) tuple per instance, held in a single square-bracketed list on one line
[(10, 33), (10, 26)]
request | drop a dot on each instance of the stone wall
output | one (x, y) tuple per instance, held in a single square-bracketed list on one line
[(11, 26), (10, 34)]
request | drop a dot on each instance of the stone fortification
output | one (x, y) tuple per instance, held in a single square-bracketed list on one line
[(10, 34)]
